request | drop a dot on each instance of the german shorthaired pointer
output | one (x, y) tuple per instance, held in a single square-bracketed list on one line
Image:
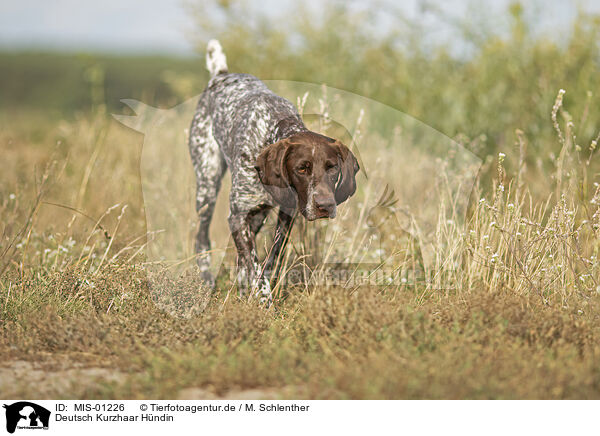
[(275, 161)]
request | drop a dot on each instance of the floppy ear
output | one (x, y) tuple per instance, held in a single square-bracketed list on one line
[(272, 173), (346, 184)]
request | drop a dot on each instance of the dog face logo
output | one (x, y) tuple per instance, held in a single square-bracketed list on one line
[(26, 415)]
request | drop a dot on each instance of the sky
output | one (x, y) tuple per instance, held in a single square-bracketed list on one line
[(163, 26), (106, 25)]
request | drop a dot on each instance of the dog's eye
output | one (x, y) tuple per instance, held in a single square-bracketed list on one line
[(330, 166), (303, 169)]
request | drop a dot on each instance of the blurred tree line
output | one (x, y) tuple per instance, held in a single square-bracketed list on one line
[(507, 81)]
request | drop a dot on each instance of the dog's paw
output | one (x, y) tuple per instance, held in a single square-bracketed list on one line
[(266, 301), (208, 278), (262, 292)]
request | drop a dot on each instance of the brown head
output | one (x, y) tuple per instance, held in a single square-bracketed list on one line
[(309, 171)]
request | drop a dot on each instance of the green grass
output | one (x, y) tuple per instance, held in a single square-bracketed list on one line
[(59, 83)]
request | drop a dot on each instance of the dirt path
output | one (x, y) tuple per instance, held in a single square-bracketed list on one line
[(68, 379)]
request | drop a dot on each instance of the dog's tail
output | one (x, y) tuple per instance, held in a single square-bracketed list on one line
[(216, 62)]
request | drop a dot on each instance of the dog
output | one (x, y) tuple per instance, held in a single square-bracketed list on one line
[(275, 162)]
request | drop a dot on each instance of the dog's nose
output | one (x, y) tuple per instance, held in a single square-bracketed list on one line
[(326, 203)]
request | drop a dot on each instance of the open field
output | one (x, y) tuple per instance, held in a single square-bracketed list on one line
[(510, 304)]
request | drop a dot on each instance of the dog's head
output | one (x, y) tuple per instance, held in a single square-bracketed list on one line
[(309, 171)]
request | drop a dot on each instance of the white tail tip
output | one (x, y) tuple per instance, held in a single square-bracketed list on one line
[(216, 62)]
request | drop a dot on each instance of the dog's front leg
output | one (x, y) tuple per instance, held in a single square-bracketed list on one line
[(250, 274), (280, 238)]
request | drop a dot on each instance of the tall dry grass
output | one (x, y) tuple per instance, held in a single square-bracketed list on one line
[(492, 294)]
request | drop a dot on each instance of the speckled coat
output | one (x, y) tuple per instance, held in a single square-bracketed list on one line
[(242, 125), (237, 116)]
